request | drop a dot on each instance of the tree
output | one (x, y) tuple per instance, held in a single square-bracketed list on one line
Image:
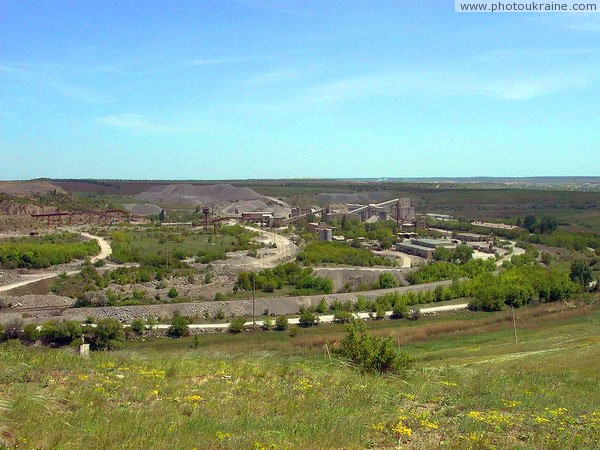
[(108, 335), (530, 222), (308, 318), (386, 280), (442, 254), (462, 254), (162, 215), (179, 326), (581, 273)]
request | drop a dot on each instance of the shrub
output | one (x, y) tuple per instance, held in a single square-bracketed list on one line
[(12, 330), (220, 297), (60, 333), (268, 323), (371, 353), (220, 314), (138, 326), (386, 280), (108, 335), (237, 324), (281, 323), (342, 316), (2, 335), (322, 307), (308, 318), (179, 326), (30, 333), (172, 293)]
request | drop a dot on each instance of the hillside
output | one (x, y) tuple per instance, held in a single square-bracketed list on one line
[(470, 388), (225, 198)]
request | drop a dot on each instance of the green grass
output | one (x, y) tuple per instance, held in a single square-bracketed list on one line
[(154, 243), (45, 251), (470, 387)]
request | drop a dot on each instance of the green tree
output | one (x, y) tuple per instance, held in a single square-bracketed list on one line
[(179, 326), (386, 280), (108, 335), (581, 273), (530, 222), (462, 254)]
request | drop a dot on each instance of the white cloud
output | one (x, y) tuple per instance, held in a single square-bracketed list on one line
[(153, 125)]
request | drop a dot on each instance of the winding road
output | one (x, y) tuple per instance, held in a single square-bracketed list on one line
[(105, 251)]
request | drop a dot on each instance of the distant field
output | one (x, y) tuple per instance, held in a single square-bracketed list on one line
[(471, 201), (470, 388)]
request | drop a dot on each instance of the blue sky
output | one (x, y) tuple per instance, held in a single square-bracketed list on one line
[(231, 89)]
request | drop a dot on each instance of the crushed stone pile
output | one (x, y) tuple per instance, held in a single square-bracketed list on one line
[(222, 198)]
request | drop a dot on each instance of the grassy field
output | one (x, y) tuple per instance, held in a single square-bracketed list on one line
[(470, 387), (155, 243), (45, 251)]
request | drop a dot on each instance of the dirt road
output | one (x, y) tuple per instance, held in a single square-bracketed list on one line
[(326, 318), (105, 251)]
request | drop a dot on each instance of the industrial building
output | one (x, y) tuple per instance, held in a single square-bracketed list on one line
[(423, 247), (472, 237), (414, 249)]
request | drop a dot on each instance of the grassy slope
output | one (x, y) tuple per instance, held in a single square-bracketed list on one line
[(470, 388)]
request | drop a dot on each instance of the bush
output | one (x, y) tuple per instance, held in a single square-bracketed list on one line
[(220, 314), (268, 323), (237, 324), (30, 333), (2, 335), (108, 335), (322, 307), (179, 326), (220, 297), (308, 318), (138, 326), (386, 280), (342, 316), (60, 333), (12, 330), (370, 353), (172, 293), (281, 323)]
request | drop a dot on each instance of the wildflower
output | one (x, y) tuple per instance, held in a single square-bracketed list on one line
[(402, 430), (428, 424), (193, 399), (511, 403), (377, 427), (82, 377), (223, 436), (449, 383)]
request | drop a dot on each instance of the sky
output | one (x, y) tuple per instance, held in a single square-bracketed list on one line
[(239, 89)]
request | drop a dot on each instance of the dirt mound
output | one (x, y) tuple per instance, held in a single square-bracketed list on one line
[(29, 188), (224, 198)]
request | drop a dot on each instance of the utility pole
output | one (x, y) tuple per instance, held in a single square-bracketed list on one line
[(514, 325), (254, 302)]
